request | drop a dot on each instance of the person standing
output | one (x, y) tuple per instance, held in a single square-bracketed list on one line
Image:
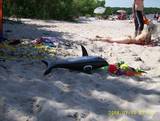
[(138, 14)]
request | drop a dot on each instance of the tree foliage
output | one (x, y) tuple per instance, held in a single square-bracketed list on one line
[(58, 9), (49, 9)]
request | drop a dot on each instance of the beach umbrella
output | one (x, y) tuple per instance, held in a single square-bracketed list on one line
[(121, 11), (99, 10)]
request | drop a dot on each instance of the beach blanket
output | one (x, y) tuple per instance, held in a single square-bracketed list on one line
[(25, 51)]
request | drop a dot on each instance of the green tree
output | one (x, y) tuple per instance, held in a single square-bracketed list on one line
[(58, 9)]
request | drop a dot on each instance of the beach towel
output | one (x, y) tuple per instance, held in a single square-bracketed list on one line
[(48, 41)]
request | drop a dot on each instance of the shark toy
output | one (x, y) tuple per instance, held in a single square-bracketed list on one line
[(84, 64)]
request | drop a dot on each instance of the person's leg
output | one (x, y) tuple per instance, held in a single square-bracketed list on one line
[(140, 21), (136, 24), (123, 40)]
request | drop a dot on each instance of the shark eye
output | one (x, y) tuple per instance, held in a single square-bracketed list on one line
[(87, 68)]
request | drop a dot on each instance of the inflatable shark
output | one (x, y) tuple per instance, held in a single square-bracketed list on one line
[(84, 64)]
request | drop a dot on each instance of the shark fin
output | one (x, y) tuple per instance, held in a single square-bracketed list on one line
[(84, 51)]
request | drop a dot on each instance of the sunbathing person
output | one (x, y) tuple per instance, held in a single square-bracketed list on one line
[(143, 39)]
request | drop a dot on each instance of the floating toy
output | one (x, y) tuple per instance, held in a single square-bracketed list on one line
[(85, 63)]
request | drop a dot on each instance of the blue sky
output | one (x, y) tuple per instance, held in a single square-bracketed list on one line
[(128, 3)]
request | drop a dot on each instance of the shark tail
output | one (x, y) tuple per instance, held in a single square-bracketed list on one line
[(47, 71), (49, 67)]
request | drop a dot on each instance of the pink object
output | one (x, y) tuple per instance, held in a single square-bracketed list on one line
[(37, 41)]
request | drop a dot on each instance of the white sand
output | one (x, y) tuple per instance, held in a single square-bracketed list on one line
[(63, 95)]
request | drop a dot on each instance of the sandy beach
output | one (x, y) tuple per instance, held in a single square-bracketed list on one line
[(65, 95)]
